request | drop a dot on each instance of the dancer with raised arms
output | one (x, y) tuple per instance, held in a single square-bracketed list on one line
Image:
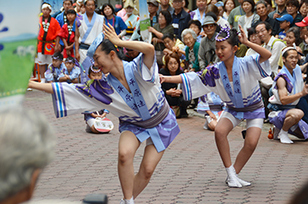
[(235, 80), (132, 92)]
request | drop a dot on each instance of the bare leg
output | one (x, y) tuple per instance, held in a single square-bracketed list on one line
[(128, 146), (250, 144), (94, 130), (149, 162), (42, 69), (223, 127)]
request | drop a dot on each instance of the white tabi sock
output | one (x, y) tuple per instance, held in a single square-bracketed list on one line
[(283, 135), (232, 179)]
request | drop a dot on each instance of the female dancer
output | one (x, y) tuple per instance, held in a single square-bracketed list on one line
[(133, 93), (235, 80)]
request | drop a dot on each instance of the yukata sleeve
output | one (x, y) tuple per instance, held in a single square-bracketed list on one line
[(193, 86), (148, 74), (67, 100), (48, 74), (260, 70), (75, 73)]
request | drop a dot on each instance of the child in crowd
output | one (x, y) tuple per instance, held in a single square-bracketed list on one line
[(70, 73), (211, 106), (69, 34), (285, 21), (94, 74), (236, 81), (54, 69)]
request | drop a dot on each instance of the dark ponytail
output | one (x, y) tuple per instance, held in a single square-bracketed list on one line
[(107, 47)]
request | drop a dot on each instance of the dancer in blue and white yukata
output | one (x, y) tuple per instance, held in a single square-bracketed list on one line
[(288, 88), (235, 80), (132, 92)]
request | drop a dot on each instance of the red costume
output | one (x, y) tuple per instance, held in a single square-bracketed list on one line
[(70, 38), (46, 40)]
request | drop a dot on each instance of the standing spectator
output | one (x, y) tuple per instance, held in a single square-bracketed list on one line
[(220, 7), (26, 148), (288, 88), (91, 26), (235, 14), (173, 91), (292, 9), (228, 7), (62, 19), (262, 11), (250, 16), (185, 6), (132, 22), (164, 26), (153, 8), (69, 34), (206, 54), (199, 13), (48, 33), (180, 18), (285, 23), (192, 48), (165, 6), (280, 9), (115, 21)]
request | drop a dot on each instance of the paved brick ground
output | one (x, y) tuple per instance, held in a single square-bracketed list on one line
[(190, 171)]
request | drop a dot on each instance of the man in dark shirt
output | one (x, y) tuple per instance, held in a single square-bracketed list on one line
[(180, 18)]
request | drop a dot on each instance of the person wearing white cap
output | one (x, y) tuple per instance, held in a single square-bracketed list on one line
[(47, 37)]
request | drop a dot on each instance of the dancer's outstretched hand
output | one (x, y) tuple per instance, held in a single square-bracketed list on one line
[(242, 37), (110, 34)]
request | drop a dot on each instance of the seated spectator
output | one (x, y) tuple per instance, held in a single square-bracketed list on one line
[(220, 21), (220, 7), (285, 23), (173, 92), (94, 74), (211, 106), (26, 148), (292, 9), (250, 17), (130, 55), (162, 27), (54, 69), (69, 34), (195, 25), (280, 9), (206, 54), (70, 73), (303, 8), (288, 88), (253, 37), (191, 51), (173, 45), (303, 35)]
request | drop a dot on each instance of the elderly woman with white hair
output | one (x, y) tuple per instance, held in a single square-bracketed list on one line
[(26, 147), (191, 51)]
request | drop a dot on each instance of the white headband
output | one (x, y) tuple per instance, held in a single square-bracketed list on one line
[(287, 49), (46, 6)]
